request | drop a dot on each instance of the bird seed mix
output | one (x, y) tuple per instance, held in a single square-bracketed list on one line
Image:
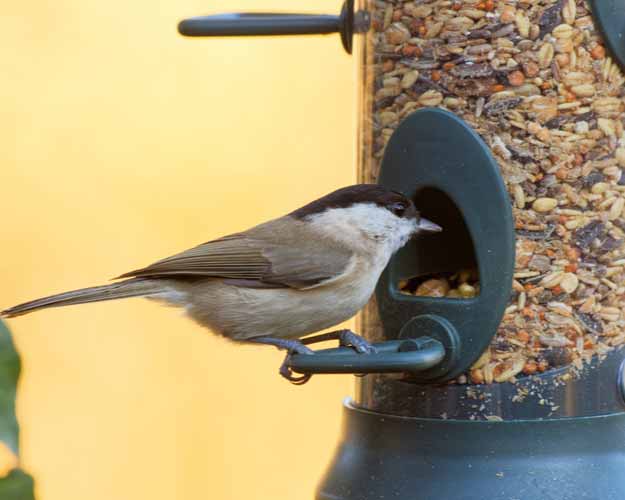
[(533, 78)]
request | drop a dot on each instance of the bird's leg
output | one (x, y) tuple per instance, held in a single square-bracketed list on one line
[(346, 338), (287, 373), (291, 346)]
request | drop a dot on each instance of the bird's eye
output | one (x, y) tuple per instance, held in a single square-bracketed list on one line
[(398, 209)]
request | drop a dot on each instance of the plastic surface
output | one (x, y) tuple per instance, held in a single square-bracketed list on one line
[(436, 159), (391, 357), (438, 328), (610, 17), (269, 24), (381, 456)]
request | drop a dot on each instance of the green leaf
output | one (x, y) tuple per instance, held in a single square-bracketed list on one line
[(9, 374), (17, 485)]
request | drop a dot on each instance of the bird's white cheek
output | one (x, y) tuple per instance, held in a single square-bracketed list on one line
[(402, 234)]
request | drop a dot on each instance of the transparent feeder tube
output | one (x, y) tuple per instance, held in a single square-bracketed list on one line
[(536, 81)]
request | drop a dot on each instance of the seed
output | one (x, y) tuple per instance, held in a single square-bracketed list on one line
[(610, 316), (569, 283), (451, 102), (387, 117), (564, 45), (433, 288), (388, 66), (543, 135), (522, 300), (507, 14), (616, 209), (544, 108), (482, 360), (562, 31), (544, 204), (563, 60), (433, 30), (598, 52), (488, 372), (391, 82), (477, 376), (510, 368), (409, 79), (584, 90), (531, 69), (534, 31), (553, 341), (552, 280), (600, 187), (569, 11), (516, 78), (397, 33), (421, 11), (519, 196), (431, 98), (581, 127), (573, 78), (606, 105), (474, 14), (545, 55), (620, 156), (522, 23), (530, 368), (411, 51), (467, 290), (606, 126)]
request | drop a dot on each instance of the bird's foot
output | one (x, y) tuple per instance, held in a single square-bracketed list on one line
[(292, 347), (287, 373), (348, 338)]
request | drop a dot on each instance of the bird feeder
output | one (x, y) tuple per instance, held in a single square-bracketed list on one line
[(499, 370)]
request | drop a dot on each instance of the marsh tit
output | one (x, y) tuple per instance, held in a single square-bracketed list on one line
[(281, 280)]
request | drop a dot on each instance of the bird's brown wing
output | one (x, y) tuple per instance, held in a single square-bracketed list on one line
[(253, 259)]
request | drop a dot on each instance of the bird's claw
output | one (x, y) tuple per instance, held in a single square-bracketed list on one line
[(348, 338), (287, 373)]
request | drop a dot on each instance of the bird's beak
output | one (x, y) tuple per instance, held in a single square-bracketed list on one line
[(428, 226)]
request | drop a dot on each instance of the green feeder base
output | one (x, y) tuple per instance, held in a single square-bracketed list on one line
[(400, 458)]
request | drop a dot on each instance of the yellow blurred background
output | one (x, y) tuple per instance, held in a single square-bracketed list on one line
[(122, 143)]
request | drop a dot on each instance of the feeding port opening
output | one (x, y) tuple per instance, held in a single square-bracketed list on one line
[(442, 264)]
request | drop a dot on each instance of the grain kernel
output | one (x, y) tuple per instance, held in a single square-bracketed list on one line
[(516, 78), (431, 98), (569, 282)]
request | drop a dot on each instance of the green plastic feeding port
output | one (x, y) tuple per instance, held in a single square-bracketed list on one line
[(437, 160), (610, 17)]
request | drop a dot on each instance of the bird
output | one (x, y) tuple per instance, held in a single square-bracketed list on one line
[(280, 281)]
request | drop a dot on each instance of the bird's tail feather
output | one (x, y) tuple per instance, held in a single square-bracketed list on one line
[(124, 289)]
